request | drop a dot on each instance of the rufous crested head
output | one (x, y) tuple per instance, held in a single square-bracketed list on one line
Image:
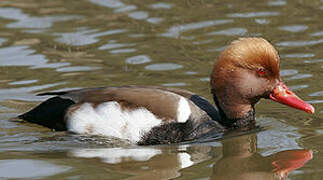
[(250, 53), (247, 70), (254, 53)]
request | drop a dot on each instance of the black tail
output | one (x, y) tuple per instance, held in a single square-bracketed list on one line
[(49, 113)]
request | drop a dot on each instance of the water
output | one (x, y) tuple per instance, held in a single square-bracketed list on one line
[(62, 45)]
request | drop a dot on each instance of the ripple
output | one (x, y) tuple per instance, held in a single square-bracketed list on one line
[(2, 40), (140, 59), (207, 79), (298, 55), (32, 41), (117, 5), (139, 15), (300, 76), (280, 135), (176, 30), (230, 32), (27, 22), (314, 61), (76, 68), (24, 56), (23, 82), (12, 13), (253, 14), (113, 45), (77, 38), (41, 23), (126, 8), (190, 73), (10, 125), (293, 28), (179, 84), (262, 21), (136, 35), (23, 93), (85, 36), (119, 51), (163, 67), (320, 33), (27, 168), (298, 87), (319, 93), (155, 20), (17, 137), (300, 43), (161, 6), (277, 3), (315, 102), (109, 3), (203, 42), (219, 49), (288, 72)]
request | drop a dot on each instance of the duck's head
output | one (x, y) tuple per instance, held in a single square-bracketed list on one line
[(246, 71)]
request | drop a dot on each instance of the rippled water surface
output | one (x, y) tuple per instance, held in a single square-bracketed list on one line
[(50, 45)]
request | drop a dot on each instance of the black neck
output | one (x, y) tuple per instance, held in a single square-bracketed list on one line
[(247, 121)]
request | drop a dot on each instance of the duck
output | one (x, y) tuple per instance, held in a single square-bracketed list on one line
[(246, 71)]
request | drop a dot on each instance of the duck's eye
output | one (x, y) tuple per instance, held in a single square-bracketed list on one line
[(261, 71)]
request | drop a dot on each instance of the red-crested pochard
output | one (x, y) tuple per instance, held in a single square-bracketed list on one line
[(246, 71)]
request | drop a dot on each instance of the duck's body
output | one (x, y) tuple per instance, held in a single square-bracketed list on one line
[(141, 114), (245, 72)]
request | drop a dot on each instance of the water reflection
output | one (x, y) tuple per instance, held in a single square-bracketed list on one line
[(241, 160), (118, 155), (148, 162)]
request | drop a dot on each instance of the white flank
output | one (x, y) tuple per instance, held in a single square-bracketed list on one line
[(183, 110), (117, 155), (108, 119)]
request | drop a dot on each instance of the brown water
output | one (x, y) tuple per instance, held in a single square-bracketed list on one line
[(50, 45)]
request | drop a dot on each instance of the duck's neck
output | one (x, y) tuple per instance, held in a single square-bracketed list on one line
[(244, 117)]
